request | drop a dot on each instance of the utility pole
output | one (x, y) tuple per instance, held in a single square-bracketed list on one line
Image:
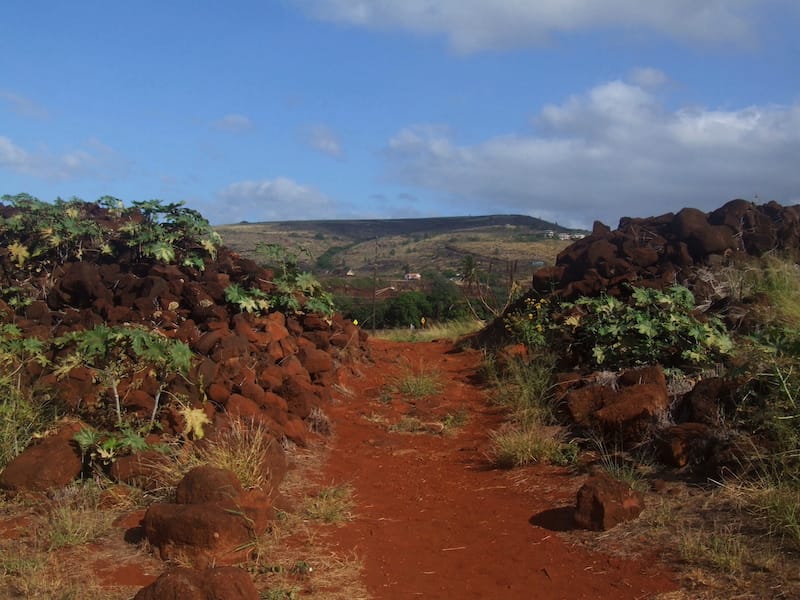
[(374, 285)]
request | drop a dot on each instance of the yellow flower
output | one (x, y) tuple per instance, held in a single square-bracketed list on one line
[(539, 327), (530, 316), (355, 321)]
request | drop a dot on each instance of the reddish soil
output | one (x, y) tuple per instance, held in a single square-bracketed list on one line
[(435, 520)]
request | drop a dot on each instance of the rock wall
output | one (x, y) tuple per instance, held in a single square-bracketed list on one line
[(660, 251)]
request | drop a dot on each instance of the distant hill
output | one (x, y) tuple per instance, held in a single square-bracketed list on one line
[(397, 245), (363, 229)]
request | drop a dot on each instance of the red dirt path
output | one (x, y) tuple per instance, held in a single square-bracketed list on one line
[(434, 520)]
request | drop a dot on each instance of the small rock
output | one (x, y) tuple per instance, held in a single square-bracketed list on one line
[(604, 502)]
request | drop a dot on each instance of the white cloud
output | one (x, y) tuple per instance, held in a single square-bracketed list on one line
[(647, 77), (22, 106), (94, 159), (614, 151), (472, 25), (325, 140), (278, 199), (234, 123)]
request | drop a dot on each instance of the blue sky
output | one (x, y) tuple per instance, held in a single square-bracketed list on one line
[(568, 110)]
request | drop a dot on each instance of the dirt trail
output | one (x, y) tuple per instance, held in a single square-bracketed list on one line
[(433, 520)]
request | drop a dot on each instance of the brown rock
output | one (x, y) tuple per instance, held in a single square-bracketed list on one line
[(582, 403), (300, 396), (210, 533), (241, 407), (207, 484), (296, 431), (218, 393), (141, 469), (687, 443), (634, 411), (315, 361), (650, 374), (702, 404), (54, 462), (603, 502), (252, 390), (219, 583)]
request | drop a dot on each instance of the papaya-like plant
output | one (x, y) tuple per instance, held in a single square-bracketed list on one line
[(119, 352)]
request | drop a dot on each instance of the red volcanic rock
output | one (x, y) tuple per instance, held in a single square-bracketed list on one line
[(650, 374), (583, 402), (213, 521), (603, 503), (315, 361), (141, 469), (684, 444), (207, 484), (634, 411), (219, 583), (54, 462)]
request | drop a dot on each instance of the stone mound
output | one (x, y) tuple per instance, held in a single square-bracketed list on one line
[(660, 251)]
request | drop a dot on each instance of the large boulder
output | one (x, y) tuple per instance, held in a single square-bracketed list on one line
[(220, 583), (212, 522), (54, 462)]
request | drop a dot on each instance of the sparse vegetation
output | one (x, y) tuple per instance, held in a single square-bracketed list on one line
[(330, 505), (74, 518), (532, 433), (520, 444), (450, 330), (409, 424), (417, 383), (242, 448)]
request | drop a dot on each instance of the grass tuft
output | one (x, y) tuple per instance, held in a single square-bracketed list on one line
[(241, 448), (76, 517), (418, 385), (526, 390), (23, 414), (330, 505), (521, 445)]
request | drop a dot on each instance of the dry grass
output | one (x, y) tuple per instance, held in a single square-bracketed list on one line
[(49, 558), (451, 331), (330, 505), (417, 383), (517, 445), (240, 448), (39, 575), (721, 548), (293, 560)]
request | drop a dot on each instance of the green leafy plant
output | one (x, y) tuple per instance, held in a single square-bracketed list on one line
[(251, 300), (655, 326), (48, 232), (529, 325), (166, 231), (37, 234), (100, 449), (296, 290), (116, 353), (25, 410)]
